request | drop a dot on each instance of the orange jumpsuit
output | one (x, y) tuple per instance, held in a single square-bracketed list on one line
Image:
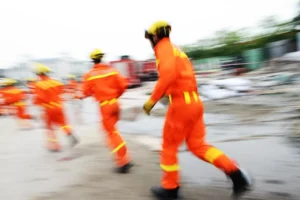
[(184, 120), (47, 93), (105, 84), (15, 97)]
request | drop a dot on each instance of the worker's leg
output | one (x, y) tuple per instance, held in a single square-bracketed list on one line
[(203, 150), (61, 120), (173, 135), (172, 139), (52, 141), (110, 116)]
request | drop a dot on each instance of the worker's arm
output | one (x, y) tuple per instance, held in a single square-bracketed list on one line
[(122, 83), (167, 72), (86, 86)]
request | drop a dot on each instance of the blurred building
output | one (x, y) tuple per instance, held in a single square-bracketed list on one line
[(61, 67)]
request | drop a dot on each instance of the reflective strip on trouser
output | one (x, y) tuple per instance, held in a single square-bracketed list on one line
[(212, 154), (170, 168), (118, 147), (220, 160), (188, 96), (52, 142), (108, 102)]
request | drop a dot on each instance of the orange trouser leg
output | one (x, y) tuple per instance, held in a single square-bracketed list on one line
[(173, 136), (185, 122), (199, 147), (110, 116), (58, 117), (52, 141)]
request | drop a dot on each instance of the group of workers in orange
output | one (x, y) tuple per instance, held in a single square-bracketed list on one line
[(184, 121)]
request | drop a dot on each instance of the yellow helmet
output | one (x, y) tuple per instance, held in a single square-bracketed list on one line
[(159, 28), (8, 82), (41, 69), (96, 54)]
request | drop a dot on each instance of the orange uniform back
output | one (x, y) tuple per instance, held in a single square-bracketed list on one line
[(47, 90), (176, 73), (104, 83)]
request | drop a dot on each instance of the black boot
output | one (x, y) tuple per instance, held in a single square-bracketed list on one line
[(241, 183), (124, 169), (73, 140), (164, 194)]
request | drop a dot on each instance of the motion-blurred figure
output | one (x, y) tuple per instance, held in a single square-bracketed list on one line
[(72, 86), (47, 93), (14, 97), (106, 85), (184, 120), (30, 85)]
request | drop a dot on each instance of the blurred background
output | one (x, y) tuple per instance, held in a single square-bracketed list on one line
[(246, 57)]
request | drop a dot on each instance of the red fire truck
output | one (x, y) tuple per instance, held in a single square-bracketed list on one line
[(148, 71), (129, 69)]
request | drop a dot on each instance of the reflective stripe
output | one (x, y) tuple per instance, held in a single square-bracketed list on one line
[(116, 132), (55, 104), (195, 96), (118, 147), (65, 127), (102, 76), (170, 99), (51, 105), (46, 84), (212, 154), (170, 168), (12, 91), (110, 102), (187, 97), (52, 140), (20, 104)]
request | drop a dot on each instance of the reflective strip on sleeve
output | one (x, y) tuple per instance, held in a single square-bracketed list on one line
[(110, 102), (102, 76), (212, 154), (170, 168), (118, 147), (187, 97)]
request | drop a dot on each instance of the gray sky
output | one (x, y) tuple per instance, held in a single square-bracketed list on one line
[(41, 28)]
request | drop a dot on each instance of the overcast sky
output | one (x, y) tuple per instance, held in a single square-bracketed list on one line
[(42, 29)]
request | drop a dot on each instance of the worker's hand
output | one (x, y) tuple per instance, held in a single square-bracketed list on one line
[(148, 106)]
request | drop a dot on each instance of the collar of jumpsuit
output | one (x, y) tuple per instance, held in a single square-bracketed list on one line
[(43, 77), (161, 42)]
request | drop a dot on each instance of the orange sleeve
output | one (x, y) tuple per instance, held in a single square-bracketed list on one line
[(122, 84), (86, 86), (166, 70)]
